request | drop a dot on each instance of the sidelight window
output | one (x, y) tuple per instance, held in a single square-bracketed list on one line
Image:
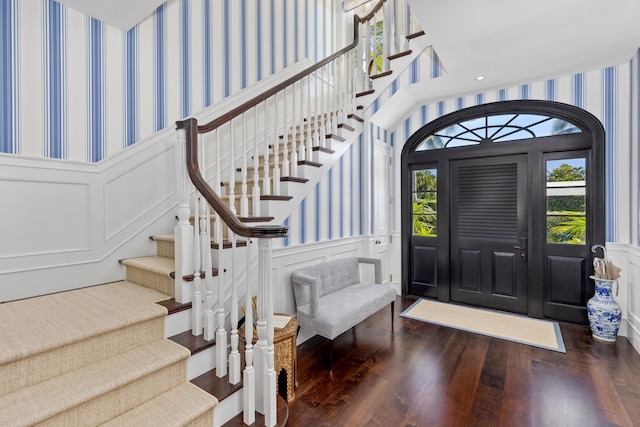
[(425, 202), (566, 201)]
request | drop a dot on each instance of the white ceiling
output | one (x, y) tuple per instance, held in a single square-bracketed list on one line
[(541, 39), (121, 14)]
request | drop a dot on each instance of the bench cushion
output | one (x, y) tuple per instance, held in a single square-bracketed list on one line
[(346, 307)]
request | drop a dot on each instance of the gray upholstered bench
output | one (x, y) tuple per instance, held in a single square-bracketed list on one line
[(331, 298)]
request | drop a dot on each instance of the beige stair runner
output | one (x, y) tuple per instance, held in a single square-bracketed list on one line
[(95, 355)]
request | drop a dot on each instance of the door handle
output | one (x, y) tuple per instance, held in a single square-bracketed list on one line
[(523, 255)]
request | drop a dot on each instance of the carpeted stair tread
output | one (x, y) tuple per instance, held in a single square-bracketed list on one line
[(50, 335), (154, 272), (163, 237), (164, 245), (185, 405), (156, 264), (99, 392)]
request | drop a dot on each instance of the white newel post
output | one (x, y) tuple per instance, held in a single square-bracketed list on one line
[(263, 350), (183, 248), (270, 415), (234, 356), (249, 377), (197, 304)]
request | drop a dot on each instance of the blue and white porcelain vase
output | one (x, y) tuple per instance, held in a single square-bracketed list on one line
[(603, 311)]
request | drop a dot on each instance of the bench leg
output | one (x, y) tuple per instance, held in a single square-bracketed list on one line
[(330, 356), (392, 307)]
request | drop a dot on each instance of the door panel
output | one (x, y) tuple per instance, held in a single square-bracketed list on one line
[(424, 261), (488, 224)]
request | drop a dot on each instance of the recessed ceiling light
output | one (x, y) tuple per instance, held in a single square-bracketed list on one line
[(480, 78)]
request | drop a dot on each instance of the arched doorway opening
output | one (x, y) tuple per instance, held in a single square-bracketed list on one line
[(501, 204)]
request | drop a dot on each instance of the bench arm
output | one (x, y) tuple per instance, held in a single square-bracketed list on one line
[(301, 279), (377, 267)]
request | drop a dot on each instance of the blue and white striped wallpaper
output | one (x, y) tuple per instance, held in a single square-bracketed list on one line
[(75, 88), (605, 93)]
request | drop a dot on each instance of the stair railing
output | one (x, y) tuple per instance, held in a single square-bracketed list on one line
[(282, 132)]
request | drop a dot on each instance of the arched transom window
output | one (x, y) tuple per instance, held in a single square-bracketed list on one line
[(497, 128)]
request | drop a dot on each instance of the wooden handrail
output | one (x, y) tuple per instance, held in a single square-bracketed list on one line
[(192, 130)]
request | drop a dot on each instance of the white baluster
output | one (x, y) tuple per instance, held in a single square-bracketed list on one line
[(310, 123), (266, 180), (351, 81), (249, 376), (361, 65), (234, 357), (374, 44), (301, 145), (209, 316), (232, 170), (368, 51), (285, 138), (196, 303), (294, 134), (339, 84), (324, 109), (255, 194), (221, 333), (387, 32), (318, 117), (244, 200), (276, 149), (330, 108), (183, 247)]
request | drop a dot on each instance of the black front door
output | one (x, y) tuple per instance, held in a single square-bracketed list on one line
[(501, 204), (488, 240)]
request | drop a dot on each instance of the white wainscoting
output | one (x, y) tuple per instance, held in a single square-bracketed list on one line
[(65, 224), (627, 257)]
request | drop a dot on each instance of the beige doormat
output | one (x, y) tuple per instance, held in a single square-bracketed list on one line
[(511, 327)]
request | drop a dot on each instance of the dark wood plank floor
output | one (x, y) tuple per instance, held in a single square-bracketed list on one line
[(428, 375)]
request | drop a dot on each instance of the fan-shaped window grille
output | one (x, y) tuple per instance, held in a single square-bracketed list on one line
[(497, 128)]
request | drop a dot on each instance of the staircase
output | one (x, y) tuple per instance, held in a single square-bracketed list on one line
[(135, 365)]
